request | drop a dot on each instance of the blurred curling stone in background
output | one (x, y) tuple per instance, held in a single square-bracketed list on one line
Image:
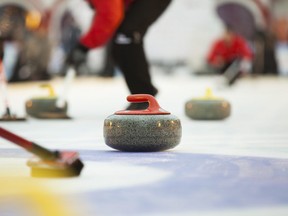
[(52, 106), (45, 107), (207, 107)]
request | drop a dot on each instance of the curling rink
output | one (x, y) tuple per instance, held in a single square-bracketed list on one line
[(233, 167)]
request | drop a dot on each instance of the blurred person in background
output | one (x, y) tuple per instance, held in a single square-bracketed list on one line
[(24, 45), (11, 25), (125, 22), (251, 19), (230, 47)]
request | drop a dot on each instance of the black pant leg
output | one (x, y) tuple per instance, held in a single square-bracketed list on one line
[(128, 50)]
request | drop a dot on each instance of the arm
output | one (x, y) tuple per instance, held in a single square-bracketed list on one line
[(214, 57), (109, 14)]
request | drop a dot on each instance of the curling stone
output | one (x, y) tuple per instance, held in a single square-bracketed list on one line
[(46, 107), (149, 130), (208, 107)]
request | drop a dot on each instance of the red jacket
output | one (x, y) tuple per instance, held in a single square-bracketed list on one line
[(238, 48), (109, 14)]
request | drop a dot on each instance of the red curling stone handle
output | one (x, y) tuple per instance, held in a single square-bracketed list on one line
[(153, 108)]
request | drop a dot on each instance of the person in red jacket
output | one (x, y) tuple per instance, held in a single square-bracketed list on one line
[(229, 48), (125, 22)]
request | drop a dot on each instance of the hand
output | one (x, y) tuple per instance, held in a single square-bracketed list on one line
[(77, 56)]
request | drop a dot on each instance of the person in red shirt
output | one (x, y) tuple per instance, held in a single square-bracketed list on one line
[(124, 23), (229, 48)]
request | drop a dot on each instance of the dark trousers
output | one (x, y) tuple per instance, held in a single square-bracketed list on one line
[(127, 48)]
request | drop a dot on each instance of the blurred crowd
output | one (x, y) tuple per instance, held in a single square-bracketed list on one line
[(36, 38)]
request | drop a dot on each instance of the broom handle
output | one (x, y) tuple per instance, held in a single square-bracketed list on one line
[(4, 91), (66, 86), (29, 146)]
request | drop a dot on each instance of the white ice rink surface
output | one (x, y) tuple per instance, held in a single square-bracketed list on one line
[(255, 133)]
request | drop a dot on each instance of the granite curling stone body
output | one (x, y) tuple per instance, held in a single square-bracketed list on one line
[(46, 107), (208, 107), (149, 130)]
